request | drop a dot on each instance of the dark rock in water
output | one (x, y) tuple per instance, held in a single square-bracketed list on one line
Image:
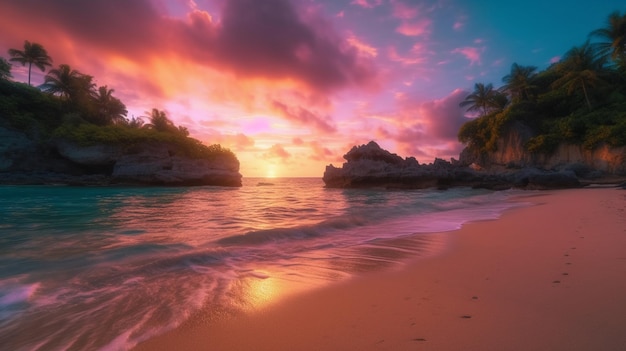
[(371, 166)]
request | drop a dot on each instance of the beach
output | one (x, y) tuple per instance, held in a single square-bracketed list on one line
[(544, 277)]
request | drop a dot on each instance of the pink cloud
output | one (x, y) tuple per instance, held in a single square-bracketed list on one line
[(429, 128), (417, 55), (320, 153), (404, 11), (415, 28), (253, 39), (241, 141), (415, 20), (367, 3), (276, 151), (460, 23), (361, 46), (304, 116), (473, 54), (555, 59)]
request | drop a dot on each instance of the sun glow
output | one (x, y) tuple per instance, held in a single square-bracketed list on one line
[(271, 171)]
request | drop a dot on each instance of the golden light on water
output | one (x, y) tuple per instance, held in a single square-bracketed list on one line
[(262, 289)]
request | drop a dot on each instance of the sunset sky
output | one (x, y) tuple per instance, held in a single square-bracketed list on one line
[(291, 85)]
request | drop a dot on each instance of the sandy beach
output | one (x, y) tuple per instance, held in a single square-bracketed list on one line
[(551, 276)]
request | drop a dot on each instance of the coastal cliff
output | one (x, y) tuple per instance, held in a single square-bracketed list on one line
[(371, 166), (28, 160), (511, 152)]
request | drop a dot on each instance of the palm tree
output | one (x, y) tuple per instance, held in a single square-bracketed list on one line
[(614, 35), (518, 83), (109, 109), (5, 69), (160, 122), (33, 54), (581, 68), (68, 83), (134, 122), (483, 99)]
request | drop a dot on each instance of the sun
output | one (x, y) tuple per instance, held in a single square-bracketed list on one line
[(271, 171)]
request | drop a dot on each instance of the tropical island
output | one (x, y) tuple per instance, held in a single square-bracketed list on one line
[(69, 131), (562, 127)]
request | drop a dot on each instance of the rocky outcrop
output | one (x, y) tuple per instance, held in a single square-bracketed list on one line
[(25, 160), (371, 166), (159, 164)]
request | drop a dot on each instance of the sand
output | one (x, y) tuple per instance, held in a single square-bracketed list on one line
[(546, 277)]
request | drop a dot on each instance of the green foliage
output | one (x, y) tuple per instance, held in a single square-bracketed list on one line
[(482, 133), (544, 143), (86, 134), (73, 116), (579, 100), (25, 108), (5, 69)]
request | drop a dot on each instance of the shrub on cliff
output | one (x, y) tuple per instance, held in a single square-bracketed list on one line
[(579, 100), (86, 134), (25, 108)]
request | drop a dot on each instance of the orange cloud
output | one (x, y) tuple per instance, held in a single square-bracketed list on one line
[(276, 151)]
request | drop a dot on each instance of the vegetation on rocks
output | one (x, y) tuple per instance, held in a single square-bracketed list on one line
[(69, 105), (579, 100)]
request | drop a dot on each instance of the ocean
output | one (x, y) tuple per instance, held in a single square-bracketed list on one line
[(103, 268)]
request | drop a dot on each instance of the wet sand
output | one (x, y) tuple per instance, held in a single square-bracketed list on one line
[(546, 277)]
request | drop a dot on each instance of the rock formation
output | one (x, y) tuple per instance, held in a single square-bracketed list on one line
[(511, 153), (24, 160), (370, 166)]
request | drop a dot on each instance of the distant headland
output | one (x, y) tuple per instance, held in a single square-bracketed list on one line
[(67, 131), (561, 127)]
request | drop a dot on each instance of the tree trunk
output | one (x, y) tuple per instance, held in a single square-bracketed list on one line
[(586, 96)]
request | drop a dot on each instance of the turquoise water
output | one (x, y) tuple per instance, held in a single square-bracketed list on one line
[(102, 268)]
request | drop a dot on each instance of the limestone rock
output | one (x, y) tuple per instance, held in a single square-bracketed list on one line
[(370, 166), (511, 153), (159, 164), (26, 160), (99, 154)]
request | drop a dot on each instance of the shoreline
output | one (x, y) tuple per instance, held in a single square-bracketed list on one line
[(548, 276)]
